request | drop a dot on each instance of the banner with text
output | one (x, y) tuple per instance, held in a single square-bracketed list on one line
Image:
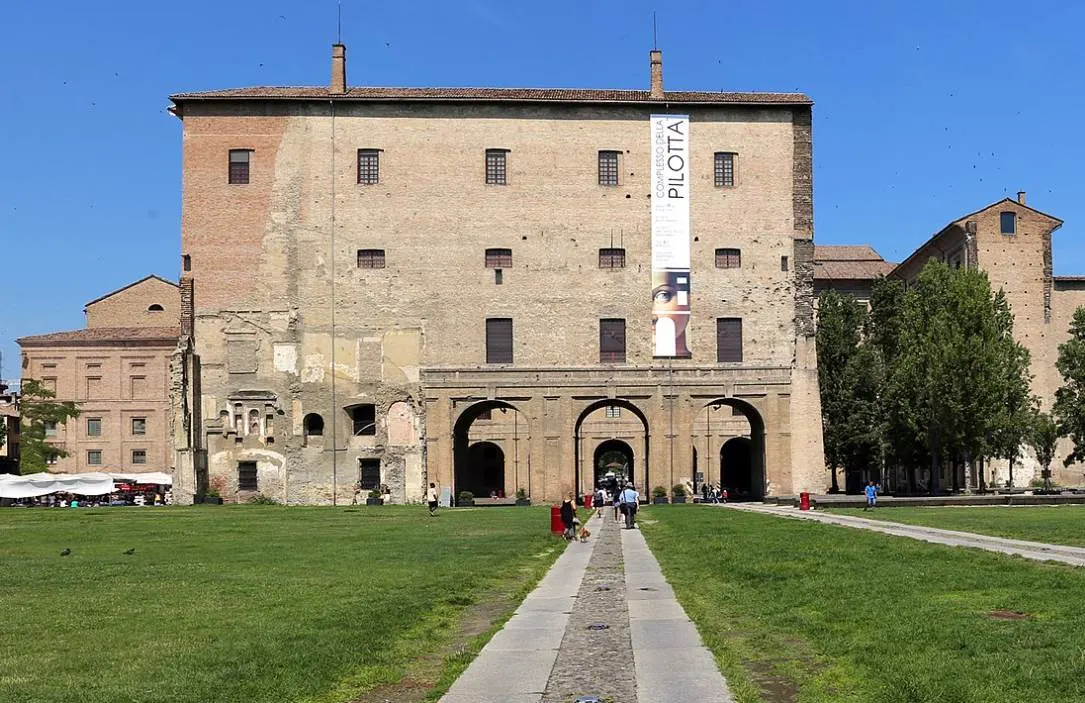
[(670, 235)]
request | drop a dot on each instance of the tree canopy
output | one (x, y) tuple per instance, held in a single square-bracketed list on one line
[(1069, 408), (39, 409)]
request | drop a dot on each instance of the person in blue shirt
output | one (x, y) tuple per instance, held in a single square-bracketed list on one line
[(871, 491), (630, 499)]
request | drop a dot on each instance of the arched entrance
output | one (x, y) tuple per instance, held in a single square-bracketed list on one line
[(614, 419), (613, 462), (736, 467), (734, 431), (486, 474), (490, 445)]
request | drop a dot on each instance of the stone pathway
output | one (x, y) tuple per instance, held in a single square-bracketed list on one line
[(1037, 551), (602, 623)]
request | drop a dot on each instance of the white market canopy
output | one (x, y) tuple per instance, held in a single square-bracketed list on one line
[(90, 484)]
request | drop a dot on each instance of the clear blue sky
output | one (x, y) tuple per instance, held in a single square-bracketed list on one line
[(924, 111)]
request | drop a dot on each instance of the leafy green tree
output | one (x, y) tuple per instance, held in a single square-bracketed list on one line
[(840, 324), (1042, 437), (1013, 420), (38, 408), (1069, 408)]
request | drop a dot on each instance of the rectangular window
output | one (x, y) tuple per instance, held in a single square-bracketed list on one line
[(499, 258), (612, 341), (94, 457), (613, 412), (495, 167), (608, 168), (725, 169), (239, 166), (369, 166), (728, 258), (486, 414), (783, 263), (139, 456), (728, 339), (139, 425), (94, 387), (737, 412), (94, 427), (364, 419), (246, 476), (499, 340), (50, 428), (612, 258), (49, 384), (369, 474), (1008, 222), (371, 258), (186, 262)]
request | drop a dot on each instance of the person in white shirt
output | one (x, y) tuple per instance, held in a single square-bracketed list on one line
[(431, 497), (630, 499)]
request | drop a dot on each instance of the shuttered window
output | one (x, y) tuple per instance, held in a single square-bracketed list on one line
[(499, 340), (612, 258), (239, 166), (608, 168), (1007, 223), (495, 167), (728, 339), (246, 476), (499, 258), (728, 258), (371, 258), (612, 341), (369, 474)]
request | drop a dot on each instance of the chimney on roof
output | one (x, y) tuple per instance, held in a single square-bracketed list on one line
[(1021, 197), (657, 74), (339, 70)]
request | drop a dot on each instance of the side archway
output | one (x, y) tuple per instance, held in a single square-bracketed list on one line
[(481, 429), (742, 458)]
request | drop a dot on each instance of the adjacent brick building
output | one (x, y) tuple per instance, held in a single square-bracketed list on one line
[(117, 370), (403, 285)]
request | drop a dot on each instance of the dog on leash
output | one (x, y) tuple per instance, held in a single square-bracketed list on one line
[(584, 534)]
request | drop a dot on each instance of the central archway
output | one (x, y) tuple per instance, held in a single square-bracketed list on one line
[(613, 458), (609, 419)]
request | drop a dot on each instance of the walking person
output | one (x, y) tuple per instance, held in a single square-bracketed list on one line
[(431, 498), (617, 499), (871, 491), (630, 499), (568, 517)]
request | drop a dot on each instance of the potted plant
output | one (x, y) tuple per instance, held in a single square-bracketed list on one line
[(465, 498), (374, 498), (659, 495), (521, 497), (678, 493)]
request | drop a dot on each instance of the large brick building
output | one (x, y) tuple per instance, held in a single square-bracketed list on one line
[(117, 370), (485, 288)]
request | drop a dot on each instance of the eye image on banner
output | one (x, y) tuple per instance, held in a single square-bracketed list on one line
[(670, 235)]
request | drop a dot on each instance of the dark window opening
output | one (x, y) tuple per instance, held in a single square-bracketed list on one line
[(139, 456), (94, 427), (495, 167), (612, 341), (1008, 222), (371, 258), (498, 277), (608, 168), (499, 258), (486, 414), (612, 258), (369, 166), (246, 476), (139, 425), (369, 474), (737, 412), (783, 263), (728, 339), (725, 169), (239, 166), (499, 340), (186, 262), (94, 457), (313, 425), (728, 258), (364, 419), (155, 307)]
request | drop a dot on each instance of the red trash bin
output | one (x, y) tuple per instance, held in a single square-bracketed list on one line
[(804, 501), (588, 499), (556, 525)]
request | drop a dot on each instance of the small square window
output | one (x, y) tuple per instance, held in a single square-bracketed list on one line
[(139, 425), (239, 166), (608, 168), (728, 258), (94, 427), (499, 258), (614, 412), (612, 258), (139, 456), (495, 167), (369, 166), (52, 460), (371, 258), (725, 169), (94, 457), (1008, 222), (50, 428)]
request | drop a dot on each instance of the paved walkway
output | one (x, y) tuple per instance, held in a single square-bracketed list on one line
[(1037, 551), (602, 623)]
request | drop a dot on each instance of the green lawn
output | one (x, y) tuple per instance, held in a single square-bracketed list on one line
[(1056, 524), (254, 603), (801, 611)]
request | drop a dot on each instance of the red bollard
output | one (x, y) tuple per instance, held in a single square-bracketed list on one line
[(556, 525), (588, 499), (804, 501)]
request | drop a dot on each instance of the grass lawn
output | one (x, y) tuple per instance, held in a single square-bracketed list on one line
[(255, 603), (1056, 524), (801, 611)]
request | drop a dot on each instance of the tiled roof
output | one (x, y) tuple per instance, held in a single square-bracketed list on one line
[(103, 336), (837, 263), (373, 94), (1070, 279)]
